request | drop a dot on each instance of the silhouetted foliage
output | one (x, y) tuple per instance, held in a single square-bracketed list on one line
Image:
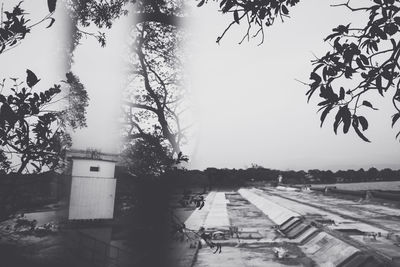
[(231, 178), (15, 27), (78, 100), (255, 14), (366, 58), (147, 157), (32, 136), (102, 14), (99, 13)]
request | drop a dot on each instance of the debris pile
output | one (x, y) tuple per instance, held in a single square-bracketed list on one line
[(22, 226)]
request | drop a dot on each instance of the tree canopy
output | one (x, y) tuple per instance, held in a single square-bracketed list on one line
[(33, 132)]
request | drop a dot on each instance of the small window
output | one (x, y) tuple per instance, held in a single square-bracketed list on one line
[(94, 169)]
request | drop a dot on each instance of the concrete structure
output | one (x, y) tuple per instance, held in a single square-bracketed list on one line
[(218, 218), (214, 214), (327, 250), (198, 217), (275, 212), (92, 187)]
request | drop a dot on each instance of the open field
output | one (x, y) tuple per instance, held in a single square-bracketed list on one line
[(391, 186)]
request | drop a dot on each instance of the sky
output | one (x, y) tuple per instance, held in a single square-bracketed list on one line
[(250, 109), (247, 106), (103, 72), (43, 50)]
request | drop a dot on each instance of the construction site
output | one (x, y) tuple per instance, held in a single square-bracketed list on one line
[(287, 226)]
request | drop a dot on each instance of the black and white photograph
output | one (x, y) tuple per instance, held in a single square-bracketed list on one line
[(199, 133)]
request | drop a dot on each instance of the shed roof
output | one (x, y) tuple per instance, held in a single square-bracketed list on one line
[(92, 155)]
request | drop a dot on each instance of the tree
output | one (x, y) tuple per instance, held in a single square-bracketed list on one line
[(103, 13), (155, 96), (100, 13), (147, 157), (256, 14), (365, 58), (34, 137)]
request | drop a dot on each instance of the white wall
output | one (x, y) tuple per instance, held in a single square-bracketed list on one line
[(92, 198), (92, 193), (81, 167)]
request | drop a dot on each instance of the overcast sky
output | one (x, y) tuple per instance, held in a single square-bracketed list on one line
[(43, 50), (250, 109), (247, 107)]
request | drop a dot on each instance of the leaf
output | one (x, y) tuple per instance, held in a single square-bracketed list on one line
[(368, 104), (341, 94), (222, 3), (314, 76), (395, 118), (51, 4), (285, 10), (324, 113), (201, 3), (397, 20), (379, 85), (391, 29), (31, 78), (51, 22), (380, 33), (359, 133), (374, 45), (346, 115), (359, 63), (364, 59), (338, 119), (364, 123), (236, 16)]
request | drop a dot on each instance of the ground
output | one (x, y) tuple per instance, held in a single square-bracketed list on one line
[(249, 227), (350, 225)]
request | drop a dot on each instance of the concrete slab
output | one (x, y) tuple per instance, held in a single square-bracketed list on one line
[(198, 217), (382, 244), (246, 217), (358, 226), (218, 214), (275, 212), (360, 260), (252, 255), (327, 250)]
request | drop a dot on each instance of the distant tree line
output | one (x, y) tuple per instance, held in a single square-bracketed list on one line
[(213, 177)]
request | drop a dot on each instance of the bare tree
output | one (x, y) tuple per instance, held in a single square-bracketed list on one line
[(155, 101)]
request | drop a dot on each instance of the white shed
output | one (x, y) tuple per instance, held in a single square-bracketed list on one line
[(92, 187)]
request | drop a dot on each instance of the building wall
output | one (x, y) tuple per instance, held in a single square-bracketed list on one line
[(81, 167)]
